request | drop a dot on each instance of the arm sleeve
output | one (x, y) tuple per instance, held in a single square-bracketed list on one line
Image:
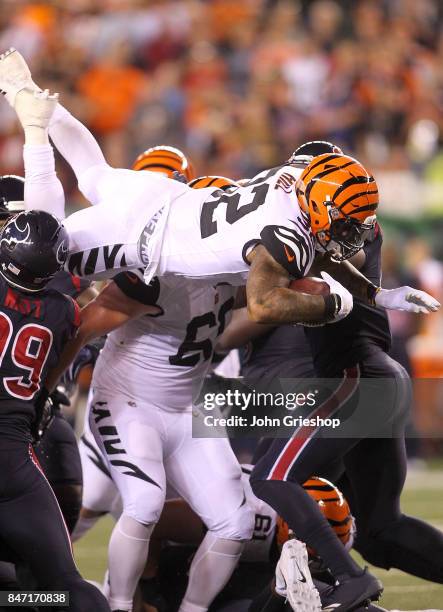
[(289, 248), (133, 286), (78, 146), (43, 189)]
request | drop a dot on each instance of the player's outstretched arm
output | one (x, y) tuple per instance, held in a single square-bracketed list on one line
[(402, 298), (271, 302), (72, 139), (108, 311)]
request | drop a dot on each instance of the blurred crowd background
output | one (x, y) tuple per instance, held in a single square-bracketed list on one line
[(239, 84)]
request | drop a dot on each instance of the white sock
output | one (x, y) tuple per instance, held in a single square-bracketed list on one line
[(43, 190), (74, 141), (211, 568), (128, 551), (84, 524)]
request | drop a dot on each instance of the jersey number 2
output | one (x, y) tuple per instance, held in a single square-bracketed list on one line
[(234, 212), (29, 352)]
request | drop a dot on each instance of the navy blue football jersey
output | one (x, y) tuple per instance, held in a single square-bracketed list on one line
[(33, 331), (69, 284), (365, 330)]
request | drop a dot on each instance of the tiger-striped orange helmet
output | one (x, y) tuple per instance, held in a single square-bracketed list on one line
[(341, 198), (165, 159), (217, 182), (334, 507)]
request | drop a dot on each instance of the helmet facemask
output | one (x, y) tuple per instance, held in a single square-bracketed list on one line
[(345, 236)]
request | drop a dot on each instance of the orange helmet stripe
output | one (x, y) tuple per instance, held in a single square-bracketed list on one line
[(166, 160)]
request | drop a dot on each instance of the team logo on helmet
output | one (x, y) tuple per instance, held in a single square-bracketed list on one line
[(21, 235), (62, 252)]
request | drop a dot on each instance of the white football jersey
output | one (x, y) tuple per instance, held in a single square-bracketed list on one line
[(257, 550), (164, 358), (209, 233)]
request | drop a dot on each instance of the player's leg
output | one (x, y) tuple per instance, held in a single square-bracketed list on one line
[(29, 513), (207, 475), (278, 477), (100, 495), (59, 457), (377, 469), (130, 441)]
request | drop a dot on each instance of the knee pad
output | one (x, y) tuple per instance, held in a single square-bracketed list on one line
[(238, 526), (146, 505)]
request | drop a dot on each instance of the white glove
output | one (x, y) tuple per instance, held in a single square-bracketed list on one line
[(345, 301), (408, 299)]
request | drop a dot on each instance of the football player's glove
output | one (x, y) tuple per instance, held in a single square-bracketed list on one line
[(406, 298), (46, 407), (343, 300), (88, 355), (44, 414)]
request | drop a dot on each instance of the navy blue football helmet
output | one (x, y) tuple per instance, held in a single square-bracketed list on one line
[(305, 152), (12, 195), (33, 248)]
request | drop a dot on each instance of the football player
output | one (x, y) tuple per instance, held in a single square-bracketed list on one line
[(355, 348), (145, 381), (57, 451), (36, 323), (265, 232)]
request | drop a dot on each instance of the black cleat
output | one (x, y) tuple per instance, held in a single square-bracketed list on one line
[(353, 593)]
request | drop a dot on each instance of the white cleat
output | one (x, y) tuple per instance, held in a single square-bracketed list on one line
[(293, 578), (14, 75), (35, 108)]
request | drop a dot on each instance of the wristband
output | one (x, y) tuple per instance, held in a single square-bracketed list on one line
[(332, 305), (372, 291)]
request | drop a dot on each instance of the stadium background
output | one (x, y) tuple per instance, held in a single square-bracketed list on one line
[(238, 85)]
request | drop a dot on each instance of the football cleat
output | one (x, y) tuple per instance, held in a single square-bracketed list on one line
[(341, 197), (166, 160), (14, 75), (35, 108), (293, 578), (353, 592)]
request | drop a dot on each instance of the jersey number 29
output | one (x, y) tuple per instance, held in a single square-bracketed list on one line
[(29, 351)]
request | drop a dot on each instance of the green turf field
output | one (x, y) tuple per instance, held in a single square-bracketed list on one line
[(423, 498)]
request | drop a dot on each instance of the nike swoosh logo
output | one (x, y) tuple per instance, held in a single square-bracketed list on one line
[(132, 278), (288, 254), (303, 577)]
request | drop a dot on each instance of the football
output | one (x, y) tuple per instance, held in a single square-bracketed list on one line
[(310, 285)]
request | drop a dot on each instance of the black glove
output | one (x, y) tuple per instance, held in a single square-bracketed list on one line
[(44, 414), (59, 399), (87, 356)]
